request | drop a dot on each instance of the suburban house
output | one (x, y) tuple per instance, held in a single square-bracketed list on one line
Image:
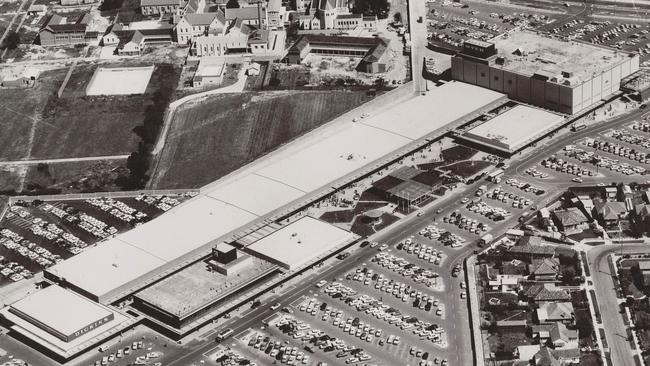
[(571, 219), (158, 7), (529, 248), (371, 50), (610, 213), (540, 355), (547, 292), (505, 283), (60, 30), (199, 24), (546, 269), (557, 334), (551, 312)]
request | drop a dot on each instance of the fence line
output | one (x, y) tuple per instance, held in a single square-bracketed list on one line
[(79, 196)]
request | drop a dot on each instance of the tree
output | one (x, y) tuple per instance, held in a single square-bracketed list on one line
[(397, 17), (11, 41), (231, 4), (372, 7)]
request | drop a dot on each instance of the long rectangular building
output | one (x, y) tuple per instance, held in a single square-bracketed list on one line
[(565, 77), (310, 167)]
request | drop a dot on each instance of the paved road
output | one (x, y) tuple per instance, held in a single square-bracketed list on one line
[(418, 8), (63, 160), (615, 330)]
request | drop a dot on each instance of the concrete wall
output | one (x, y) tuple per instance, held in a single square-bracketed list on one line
[(568, 99)]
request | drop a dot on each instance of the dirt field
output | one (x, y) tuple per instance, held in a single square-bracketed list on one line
[(82, 176), (213, 138)]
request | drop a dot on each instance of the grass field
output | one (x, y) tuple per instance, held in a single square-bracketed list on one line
[(94, 126), (81, 176), (36, 124), (19, 109), (212, 138)]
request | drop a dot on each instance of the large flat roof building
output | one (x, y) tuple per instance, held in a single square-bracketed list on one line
[(63, 322), (566, 77), (313, 166), (514, 128)]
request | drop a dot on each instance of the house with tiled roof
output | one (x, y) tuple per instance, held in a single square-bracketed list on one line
[(545, 269), (546, 292), (529, 248), (570, 219), (610, 213), (557, 334), (158, 7), (551, 312)]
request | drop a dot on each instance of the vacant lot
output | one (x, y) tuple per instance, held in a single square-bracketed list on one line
[(20, 110), (96, 126), (214, 137)]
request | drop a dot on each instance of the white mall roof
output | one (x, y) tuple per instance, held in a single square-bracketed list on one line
[(301, 242), (64, 311), (513, 128), (313, 161)]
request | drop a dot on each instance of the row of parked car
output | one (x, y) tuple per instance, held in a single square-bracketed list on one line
[(284, 353), (118, 209), (382, 311), (602, 161), (422, 251), (403, 267), (398, 289), (561, 165)]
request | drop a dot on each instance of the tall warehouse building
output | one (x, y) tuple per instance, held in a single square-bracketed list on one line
[(562, 76)]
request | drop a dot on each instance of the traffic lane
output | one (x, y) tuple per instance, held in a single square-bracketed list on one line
[(612, 322)]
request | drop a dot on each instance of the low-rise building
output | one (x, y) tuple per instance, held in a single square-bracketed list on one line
[(371, 50), (610, 213), (551, 312), (199, 24), (571, 219), (60, 30), (158, 7)]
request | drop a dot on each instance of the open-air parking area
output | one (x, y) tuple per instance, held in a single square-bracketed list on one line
[(450, 23), (630, 37), (36, 235)]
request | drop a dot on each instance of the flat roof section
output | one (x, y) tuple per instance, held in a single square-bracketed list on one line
[(528, 53), (439, 107), (187, 227), (196, 286), (61, 310), (105, 267), (256, 194), (512, 129), (301, 242)]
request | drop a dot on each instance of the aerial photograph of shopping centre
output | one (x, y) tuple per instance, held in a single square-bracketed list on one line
[(324, 182)]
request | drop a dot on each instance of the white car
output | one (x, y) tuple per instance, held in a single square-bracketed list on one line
[(275, 306), (321, 283)]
